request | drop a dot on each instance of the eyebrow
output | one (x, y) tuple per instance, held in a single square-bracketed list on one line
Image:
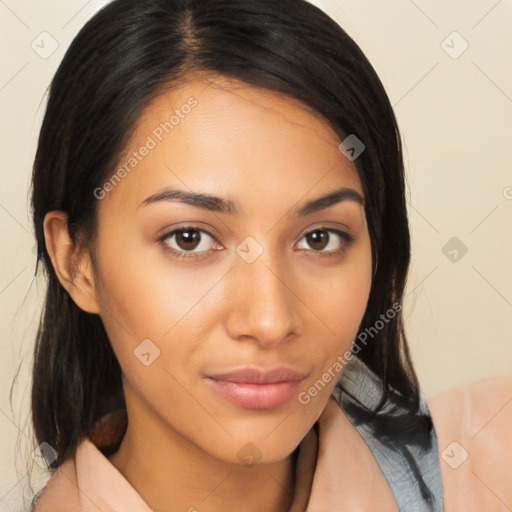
[(220, 205)]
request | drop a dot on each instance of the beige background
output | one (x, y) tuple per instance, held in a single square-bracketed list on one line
[(455, 115)]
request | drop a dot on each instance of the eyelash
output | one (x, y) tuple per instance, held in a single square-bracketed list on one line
[(348, 239)]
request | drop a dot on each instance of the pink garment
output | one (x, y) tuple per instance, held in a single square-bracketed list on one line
[(473, 425)]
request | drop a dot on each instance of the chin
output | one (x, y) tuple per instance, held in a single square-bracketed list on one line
[(255, 450)]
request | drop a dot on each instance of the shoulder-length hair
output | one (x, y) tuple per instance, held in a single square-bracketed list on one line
[(129, 52)]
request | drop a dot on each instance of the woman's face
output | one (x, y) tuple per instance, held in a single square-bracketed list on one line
[(221, 329)]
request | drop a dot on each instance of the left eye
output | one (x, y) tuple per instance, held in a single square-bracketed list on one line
[(321, 238)]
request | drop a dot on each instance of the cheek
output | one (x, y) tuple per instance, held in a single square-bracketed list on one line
[(140, 296), (155, 313), (342, 307), (350, 289)]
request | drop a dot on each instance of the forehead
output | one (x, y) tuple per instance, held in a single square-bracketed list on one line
[(226, 137), (237, 102)]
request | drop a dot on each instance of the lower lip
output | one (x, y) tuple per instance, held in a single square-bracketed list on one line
[(255, 396)]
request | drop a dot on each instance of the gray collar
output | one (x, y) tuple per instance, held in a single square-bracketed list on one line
[(364, 385)]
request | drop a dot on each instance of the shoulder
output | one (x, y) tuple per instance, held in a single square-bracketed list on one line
[(473, 425), (84, 470), (89, 482), (60, 491), (485, 388), (474, 408)]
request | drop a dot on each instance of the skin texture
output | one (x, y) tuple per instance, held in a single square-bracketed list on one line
[(293, 305)]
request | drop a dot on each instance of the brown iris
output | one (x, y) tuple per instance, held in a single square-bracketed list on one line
[(318, 239), (188, 239)]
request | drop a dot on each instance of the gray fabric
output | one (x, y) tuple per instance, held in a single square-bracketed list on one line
[(364, 385)]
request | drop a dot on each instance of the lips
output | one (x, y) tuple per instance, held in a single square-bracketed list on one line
[(256, 388)]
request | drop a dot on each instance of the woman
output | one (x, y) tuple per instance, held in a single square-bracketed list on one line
[(218, 198)]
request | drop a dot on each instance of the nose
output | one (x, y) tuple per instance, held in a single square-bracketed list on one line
[(263, 306)]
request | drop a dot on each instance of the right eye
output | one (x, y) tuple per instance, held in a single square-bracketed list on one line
[(183, 242)]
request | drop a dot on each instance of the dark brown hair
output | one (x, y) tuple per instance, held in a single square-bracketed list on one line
[(122, 58)]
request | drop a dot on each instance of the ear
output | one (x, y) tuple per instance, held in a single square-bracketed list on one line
[(73, 270)]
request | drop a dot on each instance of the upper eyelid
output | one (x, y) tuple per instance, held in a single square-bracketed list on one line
[(172, 232)]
